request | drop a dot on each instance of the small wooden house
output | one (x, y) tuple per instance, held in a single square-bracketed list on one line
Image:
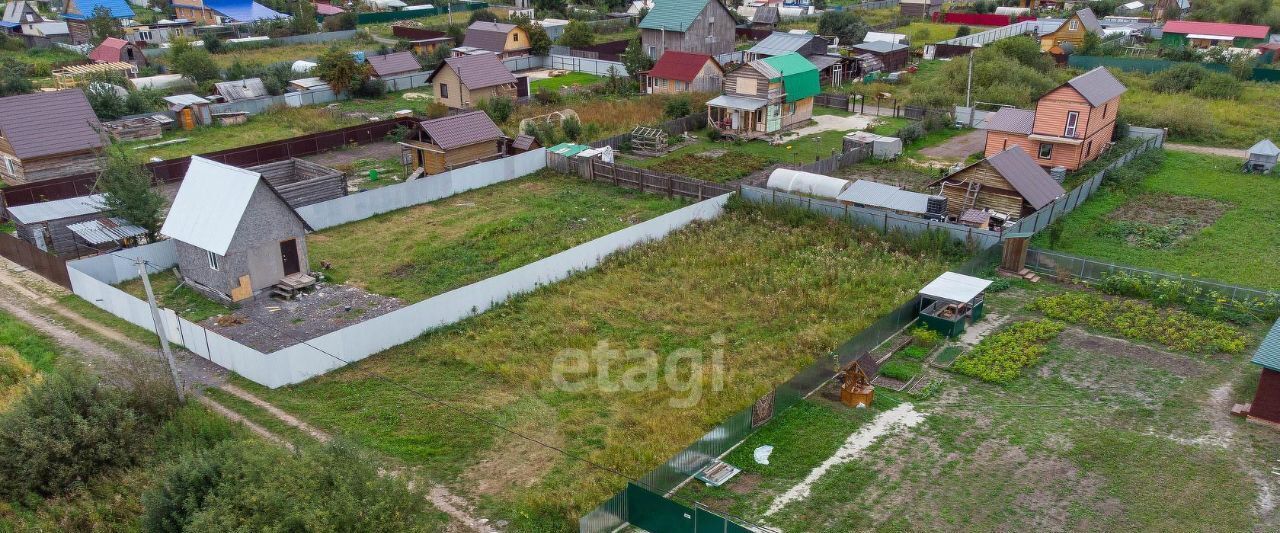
[(765, 96), (1009, 184), (1070, 126), (1262, 156), (524, 143), (893, 56), (450, 142), (78, 14), (240, 245), (424, 42), (464, 81), (680, 72), (505, 40), (698, 26), (113, 50), (765, 18), (190, 110), (1072, 31), (1265, 407), (48, 135), (393, 64), (45, 224)]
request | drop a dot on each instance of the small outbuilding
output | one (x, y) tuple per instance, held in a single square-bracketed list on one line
[(190, 110), (524, 143), (245, 89), (393, 64), (107, 234), (241, 245), (48, 135), (45, 224), (882, 146), (1265, 407), (1262, 157), (463, 82), (450, 142), (800, 182), (1009, 184), (114, 49), (893, 56), (946, 302)]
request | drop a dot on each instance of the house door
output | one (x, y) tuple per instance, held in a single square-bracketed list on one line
[(522, 87), (289, 256), (737, 119)]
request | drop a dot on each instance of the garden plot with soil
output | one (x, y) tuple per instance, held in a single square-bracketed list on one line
[(1101, 431), (1195, 215), (768, 293), (726, 161)]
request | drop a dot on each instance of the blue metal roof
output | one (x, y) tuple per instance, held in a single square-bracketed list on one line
[(84, 9), (1268, 354), (243, 10)]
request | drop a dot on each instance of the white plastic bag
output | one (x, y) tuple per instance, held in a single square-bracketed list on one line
[(762, 454)]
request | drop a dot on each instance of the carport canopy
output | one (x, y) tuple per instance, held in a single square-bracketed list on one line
[(955, 287)]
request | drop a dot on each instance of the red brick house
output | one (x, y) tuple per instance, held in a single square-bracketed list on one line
[(1070, 126)]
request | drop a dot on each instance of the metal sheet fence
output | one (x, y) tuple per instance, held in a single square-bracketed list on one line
[(990, 36), (879, 219), (28, 255), (1060, 265), (1041, 219)]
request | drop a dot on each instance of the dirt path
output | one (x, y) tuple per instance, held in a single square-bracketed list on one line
[(1208, 150), (957, 148)]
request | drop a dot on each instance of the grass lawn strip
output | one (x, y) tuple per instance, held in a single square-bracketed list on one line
[(779, 293), (572, 79)]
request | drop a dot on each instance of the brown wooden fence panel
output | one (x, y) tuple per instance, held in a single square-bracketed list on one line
[(39, 261), (654, 182)]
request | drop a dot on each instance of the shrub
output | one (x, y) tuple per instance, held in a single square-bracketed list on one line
[(370, 88), (677, 107), (67, 429), (1211, 304), (925, 337), (15, 375), (251, 486), (1000, 357), (572, 128), (1218, 86), (963, 31), (900, 370), (545, 96), (1178, 78), (499, 108), (1137, 320)]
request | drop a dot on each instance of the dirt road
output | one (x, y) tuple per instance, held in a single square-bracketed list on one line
[(1207, 150)]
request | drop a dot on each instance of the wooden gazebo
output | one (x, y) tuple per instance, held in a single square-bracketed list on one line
[(946, 302), (77, 75)]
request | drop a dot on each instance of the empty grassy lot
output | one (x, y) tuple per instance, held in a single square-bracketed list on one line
[(1102, 434), (770, 293), (922, 33), (605, 116), (1240, 246), (169, 293), (421, 251), (1234, 123), (567, 80), (273, 125), (723, 161)]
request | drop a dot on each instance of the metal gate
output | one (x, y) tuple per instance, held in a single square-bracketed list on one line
[(648, 510)]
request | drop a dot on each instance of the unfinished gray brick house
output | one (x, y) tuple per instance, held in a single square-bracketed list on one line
[(236, 236)]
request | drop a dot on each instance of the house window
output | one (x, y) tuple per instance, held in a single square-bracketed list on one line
[(213, 261), (792, 108), (1075, 25), (1046, 151), (1088, 148), (1073, 118), (653, 52), (444, 90), (515, 37)]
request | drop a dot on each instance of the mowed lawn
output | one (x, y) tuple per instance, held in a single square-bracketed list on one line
[(1241, 247), (422, 251), (770, 295), (273, 125), (571, 79)]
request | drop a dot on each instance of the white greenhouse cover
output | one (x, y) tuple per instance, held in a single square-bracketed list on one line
[(209, 205), (789, 180), (955, 287)]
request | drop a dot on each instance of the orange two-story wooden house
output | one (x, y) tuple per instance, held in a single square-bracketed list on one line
[(1070, 126), (1070, 35)]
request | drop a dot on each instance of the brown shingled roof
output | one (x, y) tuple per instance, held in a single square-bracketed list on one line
[(394, 63), (49, 123), (491, 36), (461, 130), (1031, 181), (1097, 86), (1011, 120), (477, 71)]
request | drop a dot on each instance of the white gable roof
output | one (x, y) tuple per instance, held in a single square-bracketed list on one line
[(212, 199)]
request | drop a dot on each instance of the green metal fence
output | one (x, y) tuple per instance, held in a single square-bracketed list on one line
[(391, 16), (1138, 64)]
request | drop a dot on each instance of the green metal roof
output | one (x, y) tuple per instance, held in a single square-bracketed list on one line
[(1268, 354), (799, 76), (674, 15), (568, 149)]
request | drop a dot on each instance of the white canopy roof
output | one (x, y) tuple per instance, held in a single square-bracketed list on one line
[(955, 287), (791, 180), (209, 205), (1264, 147)]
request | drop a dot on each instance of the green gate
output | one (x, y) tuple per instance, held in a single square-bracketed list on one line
[(648, 510)]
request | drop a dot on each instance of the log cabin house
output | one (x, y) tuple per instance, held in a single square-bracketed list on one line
[(464, 81), (48, 135), (1009, 184), (447, 143), (78, 14), (698, 26), (1070, 126), (765, 96)]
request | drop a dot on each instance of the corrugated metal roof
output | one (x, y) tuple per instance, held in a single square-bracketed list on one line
[(394, 63), (673, 15), (1248, 31), (738, 102), (1031, 181), (875, 36), (823, 61), (766, 15), (887, 196), (185, 99), (1011, 120), (1097, 86), (461, 130), (955, 287), (1268, 354), (1264, 147), (477, 71), (200, 222), (105, 230), (677, 65), (879, 47), (54, 210), (241, 89), (778, 43), (48, 123), (491, 36)]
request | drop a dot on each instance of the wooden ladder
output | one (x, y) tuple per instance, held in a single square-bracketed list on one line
[(971, 196)]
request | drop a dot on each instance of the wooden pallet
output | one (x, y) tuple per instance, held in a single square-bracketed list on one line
[(290, 286)]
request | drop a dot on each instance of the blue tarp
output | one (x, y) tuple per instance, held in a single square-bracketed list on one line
[(243, 10), (84, 9)]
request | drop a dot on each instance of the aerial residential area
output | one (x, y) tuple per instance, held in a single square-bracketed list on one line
[(652, 265)]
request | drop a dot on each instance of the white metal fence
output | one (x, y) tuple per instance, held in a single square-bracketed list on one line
[(420, 191), (598, 67), (254, 106), (993, 35)]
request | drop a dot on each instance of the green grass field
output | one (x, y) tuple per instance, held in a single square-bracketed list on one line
[(1231, 123), (772, 295), (571, 79), (184, 300), (1100, 435), (922, 33), (739, 158), (1241, 247), (33, 346), (270, 126), (422, 251)]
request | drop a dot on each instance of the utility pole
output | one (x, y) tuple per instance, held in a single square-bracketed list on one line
[(968, 90), (164, 339)]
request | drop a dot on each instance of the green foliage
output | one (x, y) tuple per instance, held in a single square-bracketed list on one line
[(900, 370), (1010, 71), (635, 60), (545, 96), (1142, 321), (13, 78), (127, 192), (481, 15), (572, 128), (1218, 86), (924, 337), (539, 41), (846, 25), (577, 34), (338, 68), (1206, 303), (106, 103), (340, 22), (1001, 356), (917, 353), (303, 20), (1179, 78), (1129, 177), (499, 108), (212, 43), (963, 31), (192, 62), (677, 107), (252, 486), (103, 25), (370, 88)]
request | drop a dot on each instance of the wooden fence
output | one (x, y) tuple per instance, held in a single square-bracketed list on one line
[(39, 261), (696, 121), (640, 179), (836, 162)]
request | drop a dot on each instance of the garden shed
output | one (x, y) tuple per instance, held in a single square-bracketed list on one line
[(882, 146), (107, 234), (949, 299), (447, 143), (190, 110), (1266, 401), (45, 224), (798, 181), (1262, 157), (866, 193), (302, 182)]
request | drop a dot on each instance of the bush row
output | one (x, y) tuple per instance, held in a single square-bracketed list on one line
[(1000, 357), (1196, 299), (1138, 320)]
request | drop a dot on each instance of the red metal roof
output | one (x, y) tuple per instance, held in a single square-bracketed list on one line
[(1248, 31), (324, 9), (683, 66), (108, 51)]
